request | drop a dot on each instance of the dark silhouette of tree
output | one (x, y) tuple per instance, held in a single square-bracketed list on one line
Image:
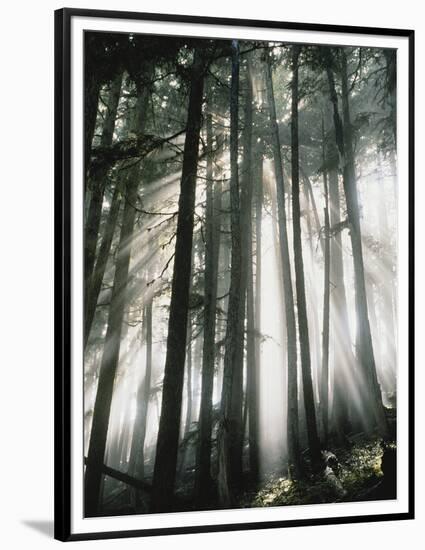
[(313, 439), (229, 437), (168, 434)]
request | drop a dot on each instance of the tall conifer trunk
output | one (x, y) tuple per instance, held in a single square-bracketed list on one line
[(324, 388), (246, 243), (310, 412), (169, 425), (231, 418), (254, 427)]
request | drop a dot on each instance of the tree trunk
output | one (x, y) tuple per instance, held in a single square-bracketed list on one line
[(182, 451), (343, 359), (169, 425), (95, 283), (109, 364), (109, 360), (252, 167), (369, 382), (92, 85), (290, 336), (189, 369), (324, 393), (252, 366), (137, 456), (246, 258), (310, 196), (315, 344), (388, 335), (313, 439), (254, 398), (363, 339), (212, 249), (98, 183), (391, 85), (231, 419)]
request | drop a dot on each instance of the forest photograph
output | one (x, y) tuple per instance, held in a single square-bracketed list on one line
[(240, 257)]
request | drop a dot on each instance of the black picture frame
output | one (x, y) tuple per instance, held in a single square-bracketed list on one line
[(63, 219)]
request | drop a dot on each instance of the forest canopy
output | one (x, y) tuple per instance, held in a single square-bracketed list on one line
[(240, 284)]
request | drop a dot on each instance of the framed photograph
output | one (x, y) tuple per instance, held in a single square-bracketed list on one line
[(233, 274)]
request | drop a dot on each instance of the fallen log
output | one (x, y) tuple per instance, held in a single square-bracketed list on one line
[(125, 478)]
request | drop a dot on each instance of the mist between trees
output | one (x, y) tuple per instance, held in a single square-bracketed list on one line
[(240, 296)]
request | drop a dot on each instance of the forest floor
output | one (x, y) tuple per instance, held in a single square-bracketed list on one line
[(364, 470), (356, 475)]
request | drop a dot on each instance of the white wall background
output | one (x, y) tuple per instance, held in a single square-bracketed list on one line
[(26, 274)]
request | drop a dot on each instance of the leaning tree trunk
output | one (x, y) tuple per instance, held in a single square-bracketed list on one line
[(109, 364), (310, 412), (169, 425), (231, 420), (291, 335), (203, 480)]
